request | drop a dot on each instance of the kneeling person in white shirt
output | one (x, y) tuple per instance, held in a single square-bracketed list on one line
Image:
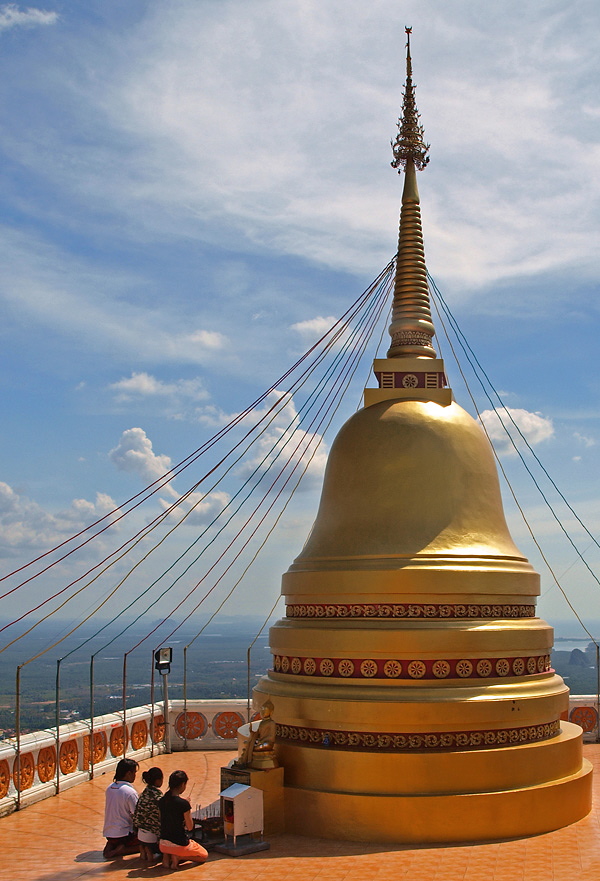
[(121, 799)]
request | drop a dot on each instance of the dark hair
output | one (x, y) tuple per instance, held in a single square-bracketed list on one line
[(153, 776), (177, 778), (124, 767)]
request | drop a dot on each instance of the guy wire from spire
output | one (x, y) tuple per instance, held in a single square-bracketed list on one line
[(352, 313), (378, 305), (176, 469), (379, 287), (464, 345), (498, 460)]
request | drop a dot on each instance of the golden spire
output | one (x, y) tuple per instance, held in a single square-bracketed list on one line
[(411, 328)]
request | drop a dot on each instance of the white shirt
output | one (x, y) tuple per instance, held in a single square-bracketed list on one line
[(121, 799)]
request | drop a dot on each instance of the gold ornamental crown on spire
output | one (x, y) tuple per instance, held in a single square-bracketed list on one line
[(411, 328), (410, 142)]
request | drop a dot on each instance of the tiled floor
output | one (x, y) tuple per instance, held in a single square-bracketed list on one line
[(61, 839)]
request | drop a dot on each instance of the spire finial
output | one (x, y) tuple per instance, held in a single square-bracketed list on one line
[(409, 143), (411, 329), (412, 370)]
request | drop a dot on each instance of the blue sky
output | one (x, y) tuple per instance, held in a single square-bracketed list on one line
[(191, 190)]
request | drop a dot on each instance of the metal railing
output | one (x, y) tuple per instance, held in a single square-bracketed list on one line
[(40, 764)]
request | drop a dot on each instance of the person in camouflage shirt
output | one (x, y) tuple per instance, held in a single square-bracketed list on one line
[(146, 817)]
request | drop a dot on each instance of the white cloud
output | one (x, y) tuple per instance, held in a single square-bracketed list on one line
[(533, 426), (281, 430), (252, 127), (137, 384), (145, 385), (284, 439), (213, 417), (135, 455), (312, 179), (97, 308), (209, 339), (584, 439), (273, 409), (11, 17), (314, 328), (26, 526), (200, 509)]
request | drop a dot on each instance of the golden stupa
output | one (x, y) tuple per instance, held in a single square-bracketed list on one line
[(411, 680)]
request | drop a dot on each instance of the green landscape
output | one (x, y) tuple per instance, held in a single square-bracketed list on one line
[(577, 667), (216, 668)]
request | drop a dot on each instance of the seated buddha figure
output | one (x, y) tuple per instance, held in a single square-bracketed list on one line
[(259, 750)]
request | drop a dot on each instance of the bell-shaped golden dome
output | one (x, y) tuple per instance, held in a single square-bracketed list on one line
[(408, 478)]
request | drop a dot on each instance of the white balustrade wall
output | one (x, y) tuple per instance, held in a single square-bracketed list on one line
[(85, 749), (40, 770)]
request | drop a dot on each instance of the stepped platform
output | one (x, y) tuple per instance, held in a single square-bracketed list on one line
[(60, 839)]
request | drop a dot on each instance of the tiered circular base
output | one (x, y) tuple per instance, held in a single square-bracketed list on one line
[(428, 764), (451, 817)]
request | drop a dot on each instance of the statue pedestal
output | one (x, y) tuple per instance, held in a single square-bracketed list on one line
[(270, 782)]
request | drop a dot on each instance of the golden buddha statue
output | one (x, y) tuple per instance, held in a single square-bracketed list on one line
[(259, 749)]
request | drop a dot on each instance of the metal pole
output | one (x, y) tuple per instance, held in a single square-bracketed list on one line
[(152, 704), (92, 717), (166, 712), (248, 671), (18, 733), (597, 693), (58, 725), (185, 746), (124, 704)]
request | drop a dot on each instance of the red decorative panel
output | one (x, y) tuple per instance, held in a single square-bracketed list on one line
[(4, 778), (587, 717), (86, 751), (410, 380), (68, 757), (118, 741), (23, 772), (100, 746), (46, 764), (190, 726), (226, 724), (394, 668), (158, 729), (139, 734)]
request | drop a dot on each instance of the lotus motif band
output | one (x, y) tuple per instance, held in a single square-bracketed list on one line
[(393, 668), (408, 610), (375, 741)]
